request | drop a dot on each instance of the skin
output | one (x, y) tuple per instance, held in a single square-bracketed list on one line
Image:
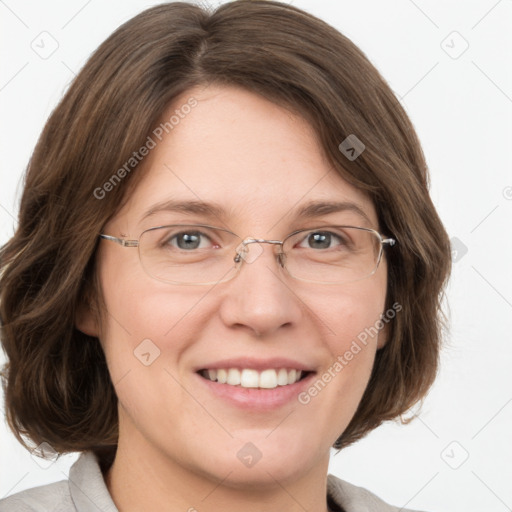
[(178, 442)]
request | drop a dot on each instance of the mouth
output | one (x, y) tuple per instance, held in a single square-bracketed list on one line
[(256, 391), (270, 378), (250, 378)]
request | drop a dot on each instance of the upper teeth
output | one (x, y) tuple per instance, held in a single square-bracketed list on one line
[(249, 378)]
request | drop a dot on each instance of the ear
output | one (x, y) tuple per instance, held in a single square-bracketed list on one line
[(383, 336), (86, 321)]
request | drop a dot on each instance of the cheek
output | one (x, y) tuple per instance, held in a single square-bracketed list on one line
[(354, 346), (352, 315), (350, 326), (142, 315), (147, 330)]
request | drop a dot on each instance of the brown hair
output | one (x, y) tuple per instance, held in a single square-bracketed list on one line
[(57, 386)]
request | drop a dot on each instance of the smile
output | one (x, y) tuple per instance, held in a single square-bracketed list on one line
[(251, 378)]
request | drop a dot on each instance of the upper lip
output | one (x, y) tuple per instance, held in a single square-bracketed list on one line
[(256, 364)]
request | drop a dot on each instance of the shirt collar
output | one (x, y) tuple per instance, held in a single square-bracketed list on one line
[(87, 486), (90, 494)]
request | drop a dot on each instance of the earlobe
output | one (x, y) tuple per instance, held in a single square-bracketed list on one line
[(85, 321), (383, 336)]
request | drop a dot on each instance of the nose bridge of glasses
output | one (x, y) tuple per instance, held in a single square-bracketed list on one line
[(249, 256)]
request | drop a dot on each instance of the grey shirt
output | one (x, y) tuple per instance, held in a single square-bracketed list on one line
[(85, 491)]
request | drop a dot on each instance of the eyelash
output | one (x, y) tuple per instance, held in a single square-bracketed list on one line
[(202, 234)]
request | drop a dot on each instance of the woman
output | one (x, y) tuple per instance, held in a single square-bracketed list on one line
[(227, 261)]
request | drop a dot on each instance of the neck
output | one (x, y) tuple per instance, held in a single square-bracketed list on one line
[(143, 478)]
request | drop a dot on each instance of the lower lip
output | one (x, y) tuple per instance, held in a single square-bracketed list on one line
[(258, 398)]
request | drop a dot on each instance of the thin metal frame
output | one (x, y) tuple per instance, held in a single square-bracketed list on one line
[(238, 256)]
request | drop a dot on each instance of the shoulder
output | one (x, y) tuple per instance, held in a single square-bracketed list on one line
[(50, 498), (357, 499), (84, 490)]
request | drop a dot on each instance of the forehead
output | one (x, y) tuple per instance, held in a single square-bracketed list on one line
[(254, 160)]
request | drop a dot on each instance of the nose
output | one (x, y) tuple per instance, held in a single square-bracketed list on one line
[(260, 298)]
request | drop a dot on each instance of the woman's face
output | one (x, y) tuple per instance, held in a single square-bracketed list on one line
[(260, 164)]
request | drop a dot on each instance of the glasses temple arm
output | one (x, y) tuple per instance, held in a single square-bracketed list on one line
[(121, 241), (390, 241)]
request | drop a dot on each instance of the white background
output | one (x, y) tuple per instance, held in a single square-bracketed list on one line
[(461, 108)]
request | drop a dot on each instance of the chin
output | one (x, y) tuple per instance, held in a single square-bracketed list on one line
[(260, 463)]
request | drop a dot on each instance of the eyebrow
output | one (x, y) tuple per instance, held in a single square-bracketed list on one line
[(311, 209)]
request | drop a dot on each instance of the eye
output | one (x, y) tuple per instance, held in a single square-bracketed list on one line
[(322, 240), (188, 240)]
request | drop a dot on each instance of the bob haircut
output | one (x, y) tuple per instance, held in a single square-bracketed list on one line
[(57, 385)]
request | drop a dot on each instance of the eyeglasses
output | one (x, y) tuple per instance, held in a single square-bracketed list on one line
[(198, 254)]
